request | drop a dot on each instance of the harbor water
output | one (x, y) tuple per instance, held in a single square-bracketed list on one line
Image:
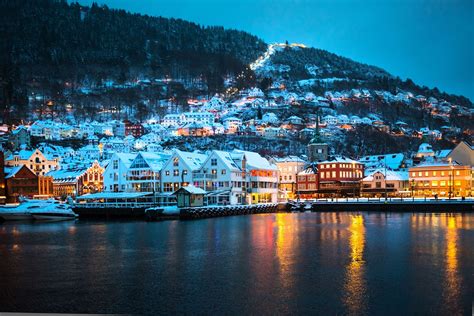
[(288, 263)]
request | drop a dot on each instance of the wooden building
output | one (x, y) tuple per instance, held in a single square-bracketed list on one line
[(20, 181), (78, 181), (340, 177), (308, 183), (190, 196)]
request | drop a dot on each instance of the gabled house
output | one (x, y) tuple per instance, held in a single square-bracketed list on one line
[(20, 181), (222, 178), (115, 174), (261, 175), (463, 154), (34, 160), (384, 182), (144, 172), (178, 170)]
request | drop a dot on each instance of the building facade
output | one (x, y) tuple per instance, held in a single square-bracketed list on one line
[(308, 183), (33, 160), (441, 179), (289, 168), (340, 177), (20, 181), (385, 183)]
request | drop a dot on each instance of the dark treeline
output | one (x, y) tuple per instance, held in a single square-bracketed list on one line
[(48, 41)]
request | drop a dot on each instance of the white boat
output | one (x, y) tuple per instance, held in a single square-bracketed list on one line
[(12, 214), (37, 209), (54, 212), (21, 212)]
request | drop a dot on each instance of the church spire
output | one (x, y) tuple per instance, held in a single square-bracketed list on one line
[(316, 137)]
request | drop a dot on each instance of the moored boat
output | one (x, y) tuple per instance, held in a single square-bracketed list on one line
[(39, 210), (54, 212)]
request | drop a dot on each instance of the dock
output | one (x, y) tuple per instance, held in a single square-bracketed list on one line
[(230, 210), (385, 205), (154, 212)]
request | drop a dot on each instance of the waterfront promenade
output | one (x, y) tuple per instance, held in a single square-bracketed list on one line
[(320, 205)]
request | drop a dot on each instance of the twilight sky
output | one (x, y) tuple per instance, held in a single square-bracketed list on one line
[(429, 41)]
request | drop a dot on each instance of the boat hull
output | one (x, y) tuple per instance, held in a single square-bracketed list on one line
[(16, 217), (53, 217)]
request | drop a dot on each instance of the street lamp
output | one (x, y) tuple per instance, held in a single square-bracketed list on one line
[(450, 178), (354, 177)]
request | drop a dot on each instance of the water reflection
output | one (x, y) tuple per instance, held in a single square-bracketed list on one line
[(286, 243), (326, 263), (355, 283), (452, 286)]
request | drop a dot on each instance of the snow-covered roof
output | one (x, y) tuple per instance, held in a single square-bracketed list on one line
[(339, 160), (392, 161), (437, 164), (156, 161), (22, 154), (425, 148), (307, 171), (63, 174), (226, 157), (193, 160), (389, 175), (255, 161), (12, 172), (191, 189), (126, 158), (443, 153), (288, 159)]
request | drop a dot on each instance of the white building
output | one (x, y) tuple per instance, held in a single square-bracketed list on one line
[(172, 120), (34, 160), (198, 117), (383, 182), (232, 124), (270, 118), (330, 120), (262, 177), (144, 173), (115, 175), (222, 178), (178, 170)]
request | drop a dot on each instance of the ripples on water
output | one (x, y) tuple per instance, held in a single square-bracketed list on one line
[(327, 263)]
